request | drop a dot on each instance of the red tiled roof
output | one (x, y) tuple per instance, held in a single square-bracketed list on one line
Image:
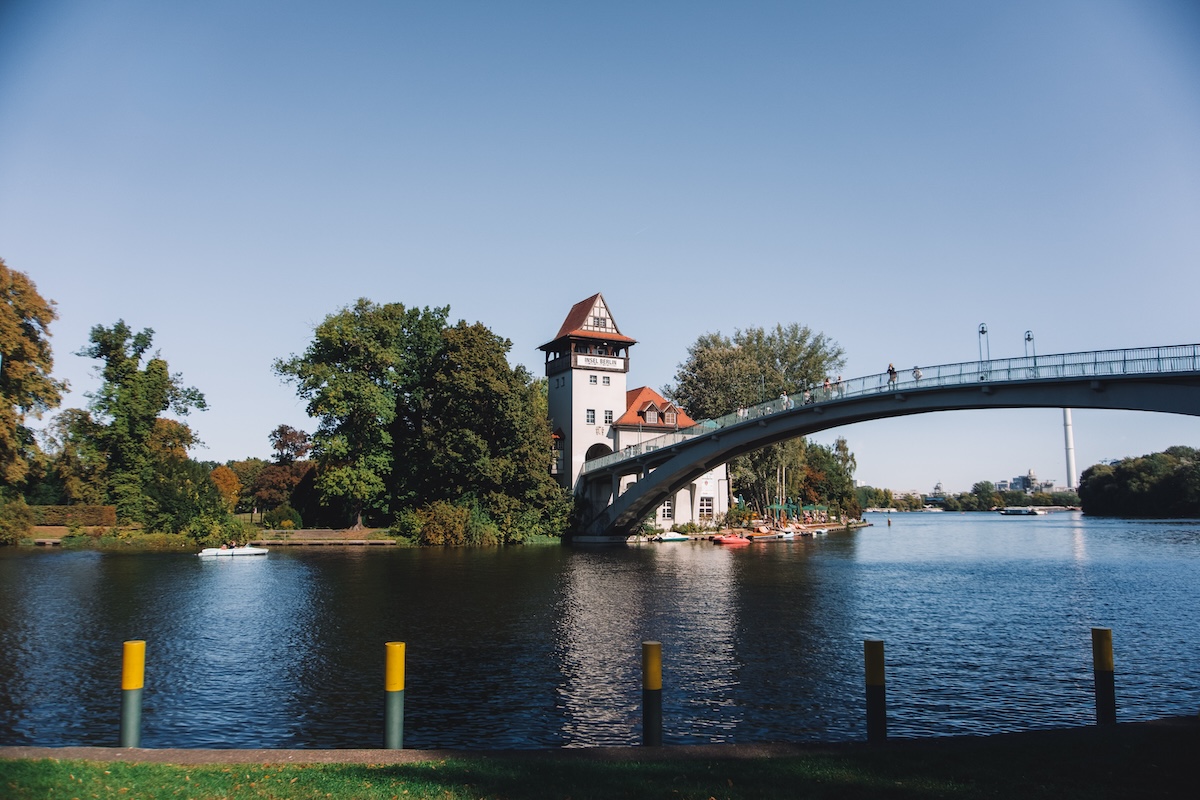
[(577, 317), (638, 400)]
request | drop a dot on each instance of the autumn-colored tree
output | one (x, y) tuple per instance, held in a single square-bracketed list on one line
[(289, 444), (26, 388), (227, 483), (247, 471), (171, 438), (274, 483)]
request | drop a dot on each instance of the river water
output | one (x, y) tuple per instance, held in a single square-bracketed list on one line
[(986, 622)]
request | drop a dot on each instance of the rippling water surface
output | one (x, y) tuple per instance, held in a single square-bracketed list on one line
[(986, 621)]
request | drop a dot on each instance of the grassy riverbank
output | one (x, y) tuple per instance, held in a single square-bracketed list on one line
[(1126, 761)]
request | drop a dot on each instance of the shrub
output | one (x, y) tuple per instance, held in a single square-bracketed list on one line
[(16, 521), (280, 514), (407, 526), (444, 523), (211, 530), (91, 516), (480, 529), (739, 516)]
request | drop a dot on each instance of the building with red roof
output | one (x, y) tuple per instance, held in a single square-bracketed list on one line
[(593, 414)]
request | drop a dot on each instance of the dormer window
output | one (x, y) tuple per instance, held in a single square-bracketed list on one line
[(669, 417), (651, 416)]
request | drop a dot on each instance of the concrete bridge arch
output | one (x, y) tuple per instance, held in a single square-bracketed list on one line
[(1163, 379)]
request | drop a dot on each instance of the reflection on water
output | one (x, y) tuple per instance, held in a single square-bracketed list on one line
[(986, 621)]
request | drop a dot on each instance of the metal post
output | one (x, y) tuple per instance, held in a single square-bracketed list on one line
[(876, 691), (133, 675), (1102, 665), (652, 694), (393, 685)]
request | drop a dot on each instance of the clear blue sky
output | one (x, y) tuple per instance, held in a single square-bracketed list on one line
[(889, 173)]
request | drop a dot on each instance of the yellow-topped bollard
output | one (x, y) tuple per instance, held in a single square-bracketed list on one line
[(393, 686), (133, 664), (133, 679), (652, 694)]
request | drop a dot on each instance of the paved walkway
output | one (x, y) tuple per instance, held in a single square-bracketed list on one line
[(1183, 726)]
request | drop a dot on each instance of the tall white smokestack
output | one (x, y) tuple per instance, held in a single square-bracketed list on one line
[(1070, 442)]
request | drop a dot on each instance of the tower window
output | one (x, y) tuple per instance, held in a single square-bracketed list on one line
[(591, 416), (706, 508), (608, 417), (592, 380), (600, 322), (668, 509), (607, 381)]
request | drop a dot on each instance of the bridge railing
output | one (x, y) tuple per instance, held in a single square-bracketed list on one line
[(1092, 364)]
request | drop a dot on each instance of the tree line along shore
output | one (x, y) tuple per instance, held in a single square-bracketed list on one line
[(424, 432)]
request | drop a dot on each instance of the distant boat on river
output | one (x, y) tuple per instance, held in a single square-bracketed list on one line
[(233, 551), (1022, 511)]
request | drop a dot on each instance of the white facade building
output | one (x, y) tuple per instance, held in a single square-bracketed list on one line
[(593, 413)]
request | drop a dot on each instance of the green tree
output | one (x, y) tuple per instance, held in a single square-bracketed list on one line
[(1165, 484), (1067, 498), (136, 388), (26, 388), (828, 480), (365, 377), (723, 373), (179, 496), (1015, 497), (77, 464), (413, 412), (489, 441), (985, 495)]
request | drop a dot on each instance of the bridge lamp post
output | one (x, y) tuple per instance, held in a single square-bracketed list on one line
[(983, 340)]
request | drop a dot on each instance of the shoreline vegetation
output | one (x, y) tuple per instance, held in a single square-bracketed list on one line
[(1127, 760), (425, 431)]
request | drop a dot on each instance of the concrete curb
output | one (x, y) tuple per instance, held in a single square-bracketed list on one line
[(1181, 725)]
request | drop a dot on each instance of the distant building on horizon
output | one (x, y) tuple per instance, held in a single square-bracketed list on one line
[(1027, 483)]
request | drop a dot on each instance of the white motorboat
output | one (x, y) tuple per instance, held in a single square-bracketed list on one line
[(233, 551), (671, 536)]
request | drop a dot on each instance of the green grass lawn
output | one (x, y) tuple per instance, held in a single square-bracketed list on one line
[(1143, 761)]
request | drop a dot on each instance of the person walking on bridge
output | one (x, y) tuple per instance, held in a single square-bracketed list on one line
[(891, 376)]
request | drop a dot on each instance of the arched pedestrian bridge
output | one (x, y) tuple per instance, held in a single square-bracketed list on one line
[(1165, 379)]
